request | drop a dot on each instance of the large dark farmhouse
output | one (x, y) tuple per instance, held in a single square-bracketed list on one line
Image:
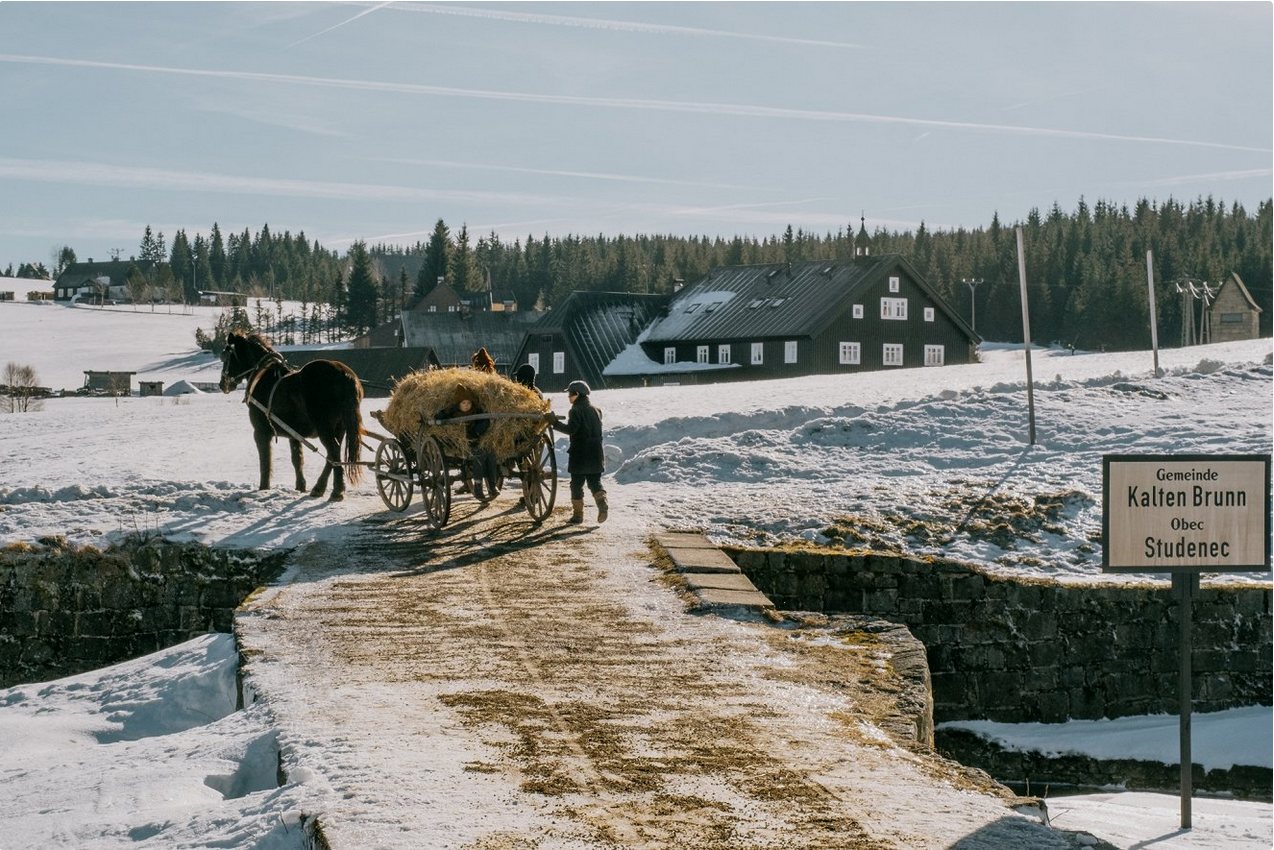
[(781, 320)]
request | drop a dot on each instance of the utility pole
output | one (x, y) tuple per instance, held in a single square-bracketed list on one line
[(972, 283)]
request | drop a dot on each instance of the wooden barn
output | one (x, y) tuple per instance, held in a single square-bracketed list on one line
[(580, 337), (454, 337), (782, 320), (378, 368), (1233, 314)]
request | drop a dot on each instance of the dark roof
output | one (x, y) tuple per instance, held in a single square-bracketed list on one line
[(778, 299), (599, 325), (78, 274), (377, 368), (454, 337)]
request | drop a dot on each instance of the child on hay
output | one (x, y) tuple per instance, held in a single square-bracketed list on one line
[(482, 464), (585, 456)]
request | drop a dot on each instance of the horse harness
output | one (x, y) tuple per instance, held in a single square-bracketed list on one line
[(264, 365)]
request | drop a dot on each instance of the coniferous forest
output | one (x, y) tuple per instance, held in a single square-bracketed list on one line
[(1085, 269)]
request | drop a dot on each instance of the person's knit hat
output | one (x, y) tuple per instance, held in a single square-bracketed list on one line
[(578, 388)]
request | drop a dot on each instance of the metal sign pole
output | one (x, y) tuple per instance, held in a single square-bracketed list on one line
[(1186, 587)]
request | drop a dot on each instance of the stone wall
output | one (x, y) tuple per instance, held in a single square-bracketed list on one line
[(67, 610), (1022, 651)]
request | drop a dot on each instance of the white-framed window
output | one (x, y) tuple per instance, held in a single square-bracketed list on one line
[(789, 351), (533, 360), (858, 311), (452, 308), (893, 308), (723, 354), (851, 353), (559, 362), (894, 284), (433, 308), (670, 356), (892, 354), (758, 353), (928, 314), (935, 355), (701, 354)]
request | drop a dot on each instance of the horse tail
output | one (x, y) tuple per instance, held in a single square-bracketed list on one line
[(352, 418)]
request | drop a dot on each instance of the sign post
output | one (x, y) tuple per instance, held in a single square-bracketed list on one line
[(1184, 515)]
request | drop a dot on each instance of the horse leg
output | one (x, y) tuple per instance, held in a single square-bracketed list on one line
[(333, 455), (262, 439), (298, 463)]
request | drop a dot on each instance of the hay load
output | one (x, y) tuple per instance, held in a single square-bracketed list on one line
[(423, 396)]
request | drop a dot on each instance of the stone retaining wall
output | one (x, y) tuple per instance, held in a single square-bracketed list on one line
[(1023, 651), (64, 611)]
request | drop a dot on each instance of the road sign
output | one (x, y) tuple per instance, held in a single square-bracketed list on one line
[(1185, 513)]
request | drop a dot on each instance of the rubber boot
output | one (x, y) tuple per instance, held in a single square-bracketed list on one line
[(602, 506), (577, 512)]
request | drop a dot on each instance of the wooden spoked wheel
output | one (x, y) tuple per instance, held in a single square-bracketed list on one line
[(393, 475), (539, 477), (435, 490)]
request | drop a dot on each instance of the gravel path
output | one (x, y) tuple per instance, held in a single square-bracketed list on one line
[(546, 687)]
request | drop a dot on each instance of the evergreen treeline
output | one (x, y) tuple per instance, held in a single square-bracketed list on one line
[(1086, 270)]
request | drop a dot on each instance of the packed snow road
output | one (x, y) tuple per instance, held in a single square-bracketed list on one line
[(549, 684)]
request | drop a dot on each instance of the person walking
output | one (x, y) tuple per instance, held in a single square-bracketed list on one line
[(585, 458)]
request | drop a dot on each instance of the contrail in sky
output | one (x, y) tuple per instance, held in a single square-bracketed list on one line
[(601, 23), (341, 24), (701, 108)]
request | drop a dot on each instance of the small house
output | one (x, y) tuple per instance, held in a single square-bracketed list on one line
[(1233, 313), (146, 389), (98, 282), (108, 383)]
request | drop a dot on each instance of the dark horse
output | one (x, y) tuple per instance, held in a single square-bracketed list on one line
[(321, 399)]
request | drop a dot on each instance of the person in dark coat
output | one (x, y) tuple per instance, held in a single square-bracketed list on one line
[(586, 459)]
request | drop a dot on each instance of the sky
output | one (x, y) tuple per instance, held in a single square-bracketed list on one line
[(118, 757), (372, 121)]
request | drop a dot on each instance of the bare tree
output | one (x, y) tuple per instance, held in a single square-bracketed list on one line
[(21, 385), (119, 385)]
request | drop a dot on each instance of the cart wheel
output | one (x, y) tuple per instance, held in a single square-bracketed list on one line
[(539, 478), (435, 490), (393, 475)]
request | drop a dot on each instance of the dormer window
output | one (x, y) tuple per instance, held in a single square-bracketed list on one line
[(777, 301), (714, 305), (692, 308), (756, 303)]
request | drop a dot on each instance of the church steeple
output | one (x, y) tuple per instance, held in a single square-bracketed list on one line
[(862, 242)]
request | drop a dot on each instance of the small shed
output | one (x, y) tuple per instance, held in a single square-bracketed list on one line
[(1233, 314), (149, 388), (112, 383)]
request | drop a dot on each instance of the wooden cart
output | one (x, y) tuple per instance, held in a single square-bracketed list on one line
[(406, 460)]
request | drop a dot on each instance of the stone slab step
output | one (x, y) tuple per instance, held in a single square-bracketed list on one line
[(702, 561), (712, 598), (719, 581), (683, 540)]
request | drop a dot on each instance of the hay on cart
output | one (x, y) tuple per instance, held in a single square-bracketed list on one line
[(422, 396)]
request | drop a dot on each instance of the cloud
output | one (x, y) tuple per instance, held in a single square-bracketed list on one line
[(587, 175), (701, 108), (335, 26), (617, 26), (139, 177), (1210, 177)]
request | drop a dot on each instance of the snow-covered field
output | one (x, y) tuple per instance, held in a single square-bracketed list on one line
[(912, 459)]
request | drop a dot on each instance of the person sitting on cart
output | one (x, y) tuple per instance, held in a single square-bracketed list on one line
[(525, 375), (482, 462)]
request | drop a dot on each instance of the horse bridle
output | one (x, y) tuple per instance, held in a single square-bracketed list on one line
[(259, 367)]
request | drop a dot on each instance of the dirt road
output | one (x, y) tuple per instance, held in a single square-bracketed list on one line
[(508, 686)]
